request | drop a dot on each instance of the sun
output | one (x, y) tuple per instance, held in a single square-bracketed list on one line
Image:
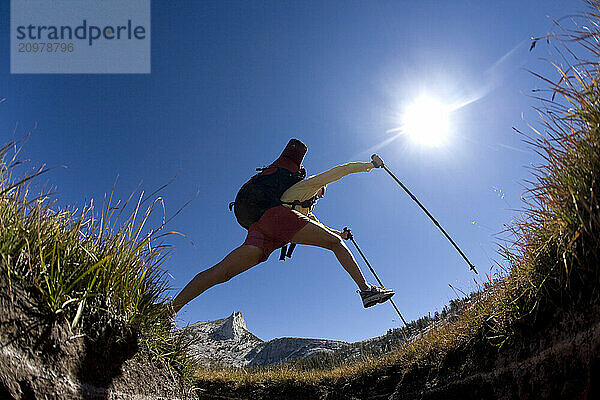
[(427, 121)]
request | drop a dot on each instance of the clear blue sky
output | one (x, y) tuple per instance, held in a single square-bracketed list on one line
[(231, 82)]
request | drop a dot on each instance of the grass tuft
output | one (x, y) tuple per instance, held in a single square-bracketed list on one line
[(87, 271)]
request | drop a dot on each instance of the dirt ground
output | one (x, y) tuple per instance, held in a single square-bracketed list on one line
[(557, 357), (554, 356), (41, 358)]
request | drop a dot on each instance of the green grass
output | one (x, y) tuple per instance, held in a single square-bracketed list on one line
[(551, 255), (87, 269)]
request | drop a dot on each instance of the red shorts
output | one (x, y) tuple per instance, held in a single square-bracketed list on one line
[(275, 228)]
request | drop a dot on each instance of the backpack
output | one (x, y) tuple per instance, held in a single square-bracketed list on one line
[(263, 191)]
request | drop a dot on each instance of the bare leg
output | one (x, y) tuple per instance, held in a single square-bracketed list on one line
[(236, 262), (315, 234)]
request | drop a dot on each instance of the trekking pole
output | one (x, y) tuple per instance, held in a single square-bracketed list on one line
[(377, 160), (351, 237)]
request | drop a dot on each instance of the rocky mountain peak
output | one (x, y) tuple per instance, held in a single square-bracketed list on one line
[(227, 341), (233, 327)]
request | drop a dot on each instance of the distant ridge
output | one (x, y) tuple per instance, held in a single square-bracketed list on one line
[(228, 342)]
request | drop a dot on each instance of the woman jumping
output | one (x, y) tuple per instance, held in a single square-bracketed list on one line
[(276, 207)]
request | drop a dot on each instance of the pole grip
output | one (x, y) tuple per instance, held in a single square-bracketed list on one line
[(350, 235)]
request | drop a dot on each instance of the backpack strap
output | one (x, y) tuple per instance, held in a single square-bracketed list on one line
[(290, 250), (286, 251), (304, 204), (283, 252)]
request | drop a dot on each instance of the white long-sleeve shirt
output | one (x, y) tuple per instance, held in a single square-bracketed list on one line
[(309, 187)]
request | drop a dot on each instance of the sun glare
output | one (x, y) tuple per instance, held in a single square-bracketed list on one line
[(426, 121)]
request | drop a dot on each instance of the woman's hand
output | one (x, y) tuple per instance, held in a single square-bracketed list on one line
[(346, 233)]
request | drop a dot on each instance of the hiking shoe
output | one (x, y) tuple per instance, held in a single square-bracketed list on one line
[(375, 295)]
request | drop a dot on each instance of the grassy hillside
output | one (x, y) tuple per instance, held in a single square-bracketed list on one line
[(81, 287)]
